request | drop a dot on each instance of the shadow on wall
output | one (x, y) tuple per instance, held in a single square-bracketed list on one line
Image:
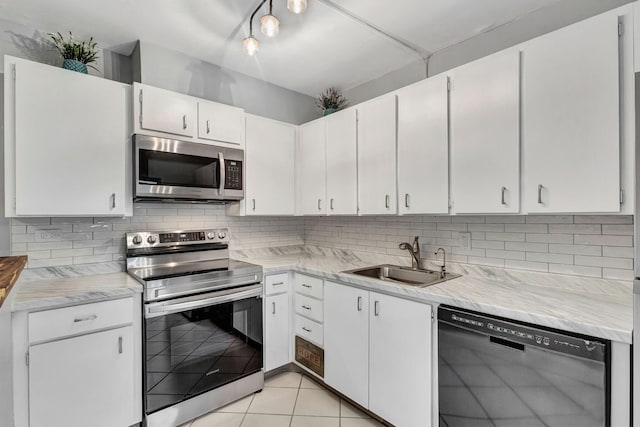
[(38, 47), (210, 81)]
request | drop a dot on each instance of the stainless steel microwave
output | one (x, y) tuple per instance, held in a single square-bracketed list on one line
[(172, 170)]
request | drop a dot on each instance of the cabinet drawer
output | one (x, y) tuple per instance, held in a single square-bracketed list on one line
[(310, 330), (277, 284), (309, 307), (308, 285), (79, 319)]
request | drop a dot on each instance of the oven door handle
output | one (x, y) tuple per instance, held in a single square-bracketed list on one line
[(204, 300)]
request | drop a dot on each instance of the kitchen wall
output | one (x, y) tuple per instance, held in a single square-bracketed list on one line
[(537, 23), (594, 246), (71, 241)]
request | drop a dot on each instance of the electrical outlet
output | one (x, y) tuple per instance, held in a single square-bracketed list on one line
[(465, 240), (48, 235)]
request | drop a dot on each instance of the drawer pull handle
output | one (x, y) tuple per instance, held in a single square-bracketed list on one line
[(376, 308), (359, 304), (306, 329), (306, 307), (406, 200), (331, 204), (503, 202), (278, 284), (386, 201), (274, 308), (120, 345), (184, 121), (85, 318), (208, 127), (306, 286), (540, 187)]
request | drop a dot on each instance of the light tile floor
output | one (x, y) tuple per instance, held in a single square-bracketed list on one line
[(288, 400)]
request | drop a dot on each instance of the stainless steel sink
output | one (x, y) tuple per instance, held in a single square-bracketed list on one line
[(404, 275)]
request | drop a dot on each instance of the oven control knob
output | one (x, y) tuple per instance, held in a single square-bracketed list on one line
[(151, 239), (137, 239), (211, 236), (222, 234)]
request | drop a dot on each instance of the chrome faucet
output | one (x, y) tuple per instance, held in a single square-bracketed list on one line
[(443, 268), (414, 250)]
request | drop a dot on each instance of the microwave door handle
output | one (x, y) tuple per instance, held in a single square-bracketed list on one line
[(223, 174)]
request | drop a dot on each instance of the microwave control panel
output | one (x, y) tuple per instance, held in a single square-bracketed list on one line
[(233, 175)]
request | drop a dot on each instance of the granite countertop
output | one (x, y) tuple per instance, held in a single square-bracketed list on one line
[(10, 269), (48, 293), (597, 307)]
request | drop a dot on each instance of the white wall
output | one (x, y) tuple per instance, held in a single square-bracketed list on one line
[(168, 69), (561, 14)]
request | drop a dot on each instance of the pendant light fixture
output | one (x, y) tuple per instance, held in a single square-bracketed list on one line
[(269, 24), (297, 6)]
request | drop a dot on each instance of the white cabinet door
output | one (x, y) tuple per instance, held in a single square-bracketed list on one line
[(277, 331), (423, 147), (83, 381), (485, 135), (269, 158), (400, 360), (165, 111), (571, 119), (219, 122), (346, 341), (377, 156), (68, 145), (313, 168), (342, 172)]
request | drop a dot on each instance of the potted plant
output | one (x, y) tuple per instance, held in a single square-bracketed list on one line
[(330, 101), (77, 54)]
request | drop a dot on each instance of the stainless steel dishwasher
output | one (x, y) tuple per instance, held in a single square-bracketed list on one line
[(502, 373)]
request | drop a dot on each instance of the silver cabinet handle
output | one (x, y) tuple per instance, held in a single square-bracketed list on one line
[(376, 308), (306, 307), (120, 345), (406, 200), (273, 311), (113, 200), (306, 286), (331, 204), (359, 305), (319, 204), (254, 203), (85, 318), (540, 187), (208, 127), (277, 284), (502, 200), (184, 121), (386, 201), (306, 329)]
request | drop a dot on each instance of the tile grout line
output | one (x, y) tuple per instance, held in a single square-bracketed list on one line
[(296, 401)]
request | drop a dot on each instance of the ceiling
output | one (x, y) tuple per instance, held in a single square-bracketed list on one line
[(334, 43)]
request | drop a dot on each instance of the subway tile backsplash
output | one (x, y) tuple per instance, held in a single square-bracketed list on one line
[(590, 245)]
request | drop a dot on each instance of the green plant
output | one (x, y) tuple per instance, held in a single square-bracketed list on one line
[(331, 98), (83, 51)]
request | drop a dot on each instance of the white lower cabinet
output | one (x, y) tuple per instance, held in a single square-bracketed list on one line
[(277, 332), (378, 353), (83, 381)]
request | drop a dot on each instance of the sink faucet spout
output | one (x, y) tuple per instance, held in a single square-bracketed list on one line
[(414, 250)]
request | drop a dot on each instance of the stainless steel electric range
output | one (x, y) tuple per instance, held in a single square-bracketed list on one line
[(203, 331)]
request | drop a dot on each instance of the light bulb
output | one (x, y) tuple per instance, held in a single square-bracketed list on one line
[(270, 25), (251, 45), (297, 6)]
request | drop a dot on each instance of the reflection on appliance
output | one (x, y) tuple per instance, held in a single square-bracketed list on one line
[(203, 323), (497, 372)]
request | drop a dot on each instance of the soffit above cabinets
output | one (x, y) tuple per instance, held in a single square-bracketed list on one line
[(325, 46)]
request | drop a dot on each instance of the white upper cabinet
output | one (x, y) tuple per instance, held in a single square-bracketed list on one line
[(485, 135), (342, 172), (67, 142), (571, 119), (219, 122), (165, 111), (423, 147), (269, 158), (377, 156), (313, 168)]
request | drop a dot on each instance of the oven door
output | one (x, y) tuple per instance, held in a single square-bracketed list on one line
[(167, 168), (199, 343)]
